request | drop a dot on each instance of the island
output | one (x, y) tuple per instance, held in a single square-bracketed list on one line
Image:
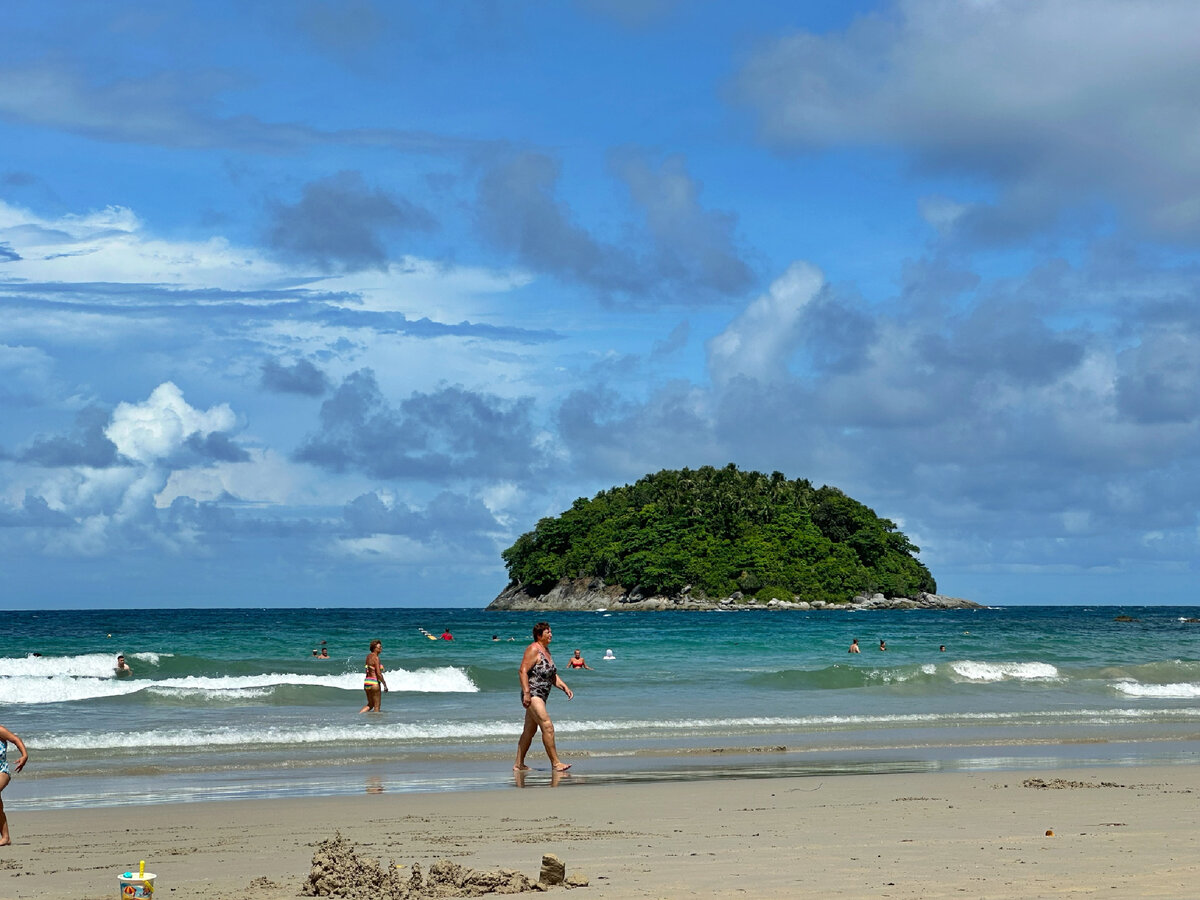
[(717, 539)]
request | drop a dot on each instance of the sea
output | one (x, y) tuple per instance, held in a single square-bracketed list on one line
[(232, 704)]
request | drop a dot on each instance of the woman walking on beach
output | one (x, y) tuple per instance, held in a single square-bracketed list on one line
[(538, 675), (373, 682), (6, 770)]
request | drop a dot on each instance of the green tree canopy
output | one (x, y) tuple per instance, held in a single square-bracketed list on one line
[(720, 531)]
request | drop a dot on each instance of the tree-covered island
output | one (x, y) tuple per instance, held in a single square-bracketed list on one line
[(697, 538)]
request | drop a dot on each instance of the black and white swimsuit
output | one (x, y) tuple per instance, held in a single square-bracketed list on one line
[(543, 675)]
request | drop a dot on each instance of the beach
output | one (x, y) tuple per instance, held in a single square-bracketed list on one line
[(717, 755), (1120, 832)]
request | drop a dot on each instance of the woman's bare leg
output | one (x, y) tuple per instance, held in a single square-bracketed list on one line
[(374, 700), (526, 740), (537, 706), (5, 840)]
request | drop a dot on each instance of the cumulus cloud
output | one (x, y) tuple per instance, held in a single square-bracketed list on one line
[(757, 342), (692, 246), (519, 211), (450, 518), (99, 486), (34, 512), (302, 377), (448, 433), (154, 429), (1056, 104), (89, 446), (684, 253), (336, 224), (967, 407)]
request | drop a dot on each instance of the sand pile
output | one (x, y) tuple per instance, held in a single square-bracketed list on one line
[(338, 871)]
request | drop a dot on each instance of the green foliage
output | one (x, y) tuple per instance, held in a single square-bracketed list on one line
[(720, 531)]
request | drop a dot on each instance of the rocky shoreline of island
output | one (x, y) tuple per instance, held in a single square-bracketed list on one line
[(592, 595)]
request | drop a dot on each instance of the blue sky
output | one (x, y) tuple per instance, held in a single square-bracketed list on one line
[(324, 303)]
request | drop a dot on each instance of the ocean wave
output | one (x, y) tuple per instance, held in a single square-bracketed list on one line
[(972, 670), (845, 675), (1178, 691), (420, 733), (82, 665), (839, 676), (64, 687)]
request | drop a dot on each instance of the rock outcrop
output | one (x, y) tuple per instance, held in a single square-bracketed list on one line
[(590, 594)]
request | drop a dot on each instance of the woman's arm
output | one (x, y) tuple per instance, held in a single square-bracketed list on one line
[(12, 738), (527, 661), (562, 686)]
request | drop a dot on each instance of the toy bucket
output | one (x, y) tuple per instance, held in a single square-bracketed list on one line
[(135, 886)]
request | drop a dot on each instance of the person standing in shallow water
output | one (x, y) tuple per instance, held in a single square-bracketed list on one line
[(538, 675), (373, 682)]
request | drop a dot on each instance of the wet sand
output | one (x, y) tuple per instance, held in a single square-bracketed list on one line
[(1118, 832)]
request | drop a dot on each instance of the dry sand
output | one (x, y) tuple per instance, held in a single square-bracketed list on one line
[(1127, 832)]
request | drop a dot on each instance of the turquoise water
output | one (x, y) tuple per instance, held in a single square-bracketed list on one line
[(231, 703)]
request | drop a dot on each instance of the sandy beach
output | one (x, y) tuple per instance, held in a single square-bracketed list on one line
[(1118, 832)]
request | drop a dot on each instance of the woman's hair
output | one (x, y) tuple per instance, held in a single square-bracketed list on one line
[(539, 628), (375, 645)]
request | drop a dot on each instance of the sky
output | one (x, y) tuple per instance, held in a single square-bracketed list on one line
[(325, 302)]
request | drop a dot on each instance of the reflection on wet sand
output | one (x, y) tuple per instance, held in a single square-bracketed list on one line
[(533, 778)]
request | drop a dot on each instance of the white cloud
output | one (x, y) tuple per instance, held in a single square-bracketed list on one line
[(756, 343), (114, 246), (148, 432), (1056, 102), (267, 478)]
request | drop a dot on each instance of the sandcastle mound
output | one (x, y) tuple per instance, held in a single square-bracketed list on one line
[(339, 871)]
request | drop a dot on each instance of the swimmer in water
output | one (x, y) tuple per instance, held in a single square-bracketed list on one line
[(122, 668), (576, 662), (854, 647)]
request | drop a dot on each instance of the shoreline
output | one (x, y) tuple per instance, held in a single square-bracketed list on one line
[(1127, 831), (312, 777)]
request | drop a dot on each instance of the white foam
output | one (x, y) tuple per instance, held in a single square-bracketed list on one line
[(93, 665), (208, 694), (50, 686), (1003, 671), (64, 688), (369, 732), (1179, 691)]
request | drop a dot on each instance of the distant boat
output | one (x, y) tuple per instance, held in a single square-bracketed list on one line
[(602, 609)]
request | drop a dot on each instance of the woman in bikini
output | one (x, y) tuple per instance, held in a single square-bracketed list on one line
[(6, 770), (538, 675), (373, 682)]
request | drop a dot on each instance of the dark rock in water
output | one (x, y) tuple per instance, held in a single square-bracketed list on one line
[(1124, 619), (1192, 621), (590, 594)]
